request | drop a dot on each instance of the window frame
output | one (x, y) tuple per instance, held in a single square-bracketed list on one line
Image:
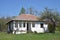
[(20, 24), (41, 25), (24, 24), (16, 24), (33, 24)]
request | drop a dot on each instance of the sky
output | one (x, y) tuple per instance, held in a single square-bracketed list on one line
[(13, 7)]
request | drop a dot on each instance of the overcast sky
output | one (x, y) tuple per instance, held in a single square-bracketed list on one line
[(13, 7)]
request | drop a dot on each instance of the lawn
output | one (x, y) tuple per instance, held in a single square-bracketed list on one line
[(30, 36)]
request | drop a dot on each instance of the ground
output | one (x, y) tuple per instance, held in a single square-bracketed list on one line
[(30, 36)]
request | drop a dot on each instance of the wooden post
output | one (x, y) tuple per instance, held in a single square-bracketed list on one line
[(13, 27), (18, 24), (26, 26), (22, 24)]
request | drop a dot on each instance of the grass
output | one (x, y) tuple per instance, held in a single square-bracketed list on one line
[(30, 36)]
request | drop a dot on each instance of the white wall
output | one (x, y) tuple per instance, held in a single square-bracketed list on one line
[(19, 28), (46, 27), (38, 28)]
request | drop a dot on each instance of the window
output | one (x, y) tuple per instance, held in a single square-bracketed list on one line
[(41, 25), (20, 24), (24, 24), (16, 23), (33, 24)]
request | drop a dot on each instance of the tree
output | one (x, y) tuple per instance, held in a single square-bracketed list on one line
[(2, 24), (3, 21), (52, 17), (22, 11), (31, 10)]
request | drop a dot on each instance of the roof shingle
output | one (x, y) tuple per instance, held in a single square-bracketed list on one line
[(27, 17)]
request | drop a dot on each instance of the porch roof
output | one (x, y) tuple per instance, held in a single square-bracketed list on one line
[(26, 17)]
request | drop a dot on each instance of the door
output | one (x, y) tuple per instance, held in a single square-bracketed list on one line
[(28, 27)]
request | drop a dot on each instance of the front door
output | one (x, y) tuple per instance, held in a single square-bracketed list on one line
[(28, 27)]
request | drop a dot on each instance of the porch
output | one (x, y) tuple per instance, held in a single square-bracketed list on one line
[(19, 27)]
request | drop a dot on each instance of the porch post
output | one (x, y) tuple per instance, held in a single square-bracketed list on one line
[(18, 24), (30, 27), (26, 24), (13, 26), (31, 24), (22, 24)]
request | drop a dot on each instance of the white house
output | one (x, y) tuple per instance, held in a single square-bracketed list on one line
[(25, 23)]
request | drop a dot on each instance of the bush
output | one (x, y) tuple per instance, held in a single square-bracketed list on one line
[(51, 28)]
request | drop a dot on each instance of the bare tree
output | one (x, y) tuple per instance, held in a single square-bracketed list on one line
[(52, 17)]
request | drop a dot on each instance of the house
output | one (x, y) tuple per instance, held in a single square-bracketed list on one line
[(26, 23)]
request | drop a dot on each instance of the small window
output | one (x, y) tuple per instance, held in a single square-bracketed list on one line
[(20, 24), (24, 24), (33, 24), (16, 23), (41, 25)]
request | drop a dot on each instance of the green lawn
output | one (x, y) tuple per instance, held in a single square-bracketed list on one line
[(30, 36)]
